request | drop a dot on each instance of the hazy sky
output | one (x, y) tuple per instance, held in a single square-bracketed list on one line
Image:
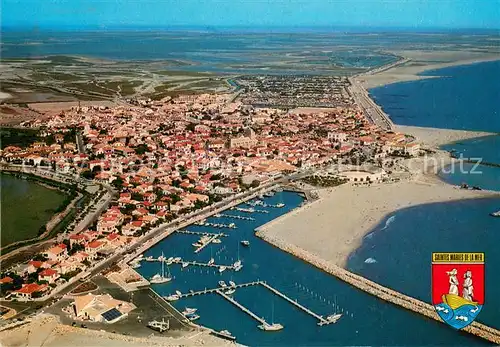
[(288, 13)]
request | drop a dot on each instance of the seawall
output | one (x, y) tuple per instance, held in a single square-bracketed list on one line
[(370, 287)]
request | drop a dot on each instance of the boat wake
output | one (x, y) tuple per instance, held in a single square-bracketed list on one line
[(370, 261), (388, 222)]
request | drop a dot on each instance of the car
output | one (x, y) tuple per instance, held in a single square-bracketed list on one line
[(83, 326), (73, 324)]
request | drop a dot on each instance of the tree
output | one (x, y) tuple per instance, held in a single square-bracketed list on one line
[(255, 184), (141, 149), (87, 174), (118, 183)]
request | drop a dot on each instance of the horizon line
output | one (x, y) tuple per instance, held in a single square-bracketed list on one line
[(215, 28)]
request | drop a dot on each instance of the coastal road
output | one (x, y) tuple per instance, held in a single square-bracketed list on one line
[(79, 143), (371, 109)]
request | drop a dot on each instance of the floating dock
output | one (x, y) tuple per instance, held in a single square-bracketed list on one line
[(220, 290), (199, 249), (220, 215), (214, 290), (195, 263), (241, 307), (321, 322), (200, 233)]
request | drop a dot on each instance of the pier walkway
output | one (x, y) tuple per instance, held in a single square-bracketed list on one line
[(322, 321), (213, 290), (201, 233), (199, 249), (195, 263), (243, 308)]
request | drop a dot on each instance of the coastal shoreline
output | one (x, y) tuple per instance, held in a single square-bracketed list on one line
[(404, 73)]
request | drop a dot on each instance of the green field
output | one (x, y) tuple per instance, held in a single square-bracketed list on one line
[(25, 207)]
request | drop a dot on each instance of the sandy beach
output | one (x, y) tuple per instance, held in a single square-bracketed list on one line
[(45, 330), (421, 61), (435, 137), (334, 226)]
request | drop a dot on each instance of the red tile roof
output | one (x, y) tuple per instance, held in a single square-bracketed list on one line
[(48, 272)]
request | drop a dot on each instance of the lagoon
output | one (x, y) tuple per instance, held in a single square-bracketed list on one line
[(25, 207)]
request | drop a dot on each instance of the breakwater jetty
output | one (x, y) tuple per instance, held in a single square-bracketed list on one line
[(370, 287)]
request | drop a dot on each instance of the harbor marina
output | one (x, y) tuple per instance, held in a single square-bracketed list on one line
[(311, 288)]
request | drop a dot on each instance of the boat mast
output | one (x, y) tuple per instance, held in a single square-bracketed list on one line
[(162, 266)]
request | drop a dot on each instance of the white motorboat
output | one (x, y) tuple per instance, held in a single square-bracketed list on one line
[(135, 265), (193, 317), (222, 269), (232, 284), (178, 293), (161, 258), (271, 327), (150, 258), (222, 284), (196, 244), (226, 334), (211, 261), (217, 241), (238, 268), (189, 311), (245, 243), (172, 297), (334, 317), (185, 264), (237, 263), (280, 205), (229, 292), (177, 259)]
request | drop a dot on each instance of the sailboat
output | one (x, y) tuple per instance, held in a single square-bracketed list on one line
[(273, 326), (333, 318), (212, 260), (157, 279), (237, 264)]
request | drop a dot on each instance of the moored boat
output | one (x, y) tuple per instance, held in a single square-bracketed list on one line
[(172, 297), (193, 317), (495, 214), (333, 318), (245, 243), (222, 269), (271, 327), (230, 291), (222, 284), (225, 334), (188, 311)]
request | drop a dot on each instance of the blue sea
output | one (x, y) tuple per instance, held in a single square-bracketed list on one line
[(397, 253), (366, 320)]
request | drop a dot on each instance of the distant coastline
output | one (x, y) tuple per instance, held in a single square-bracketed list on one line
[(409, 73)]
